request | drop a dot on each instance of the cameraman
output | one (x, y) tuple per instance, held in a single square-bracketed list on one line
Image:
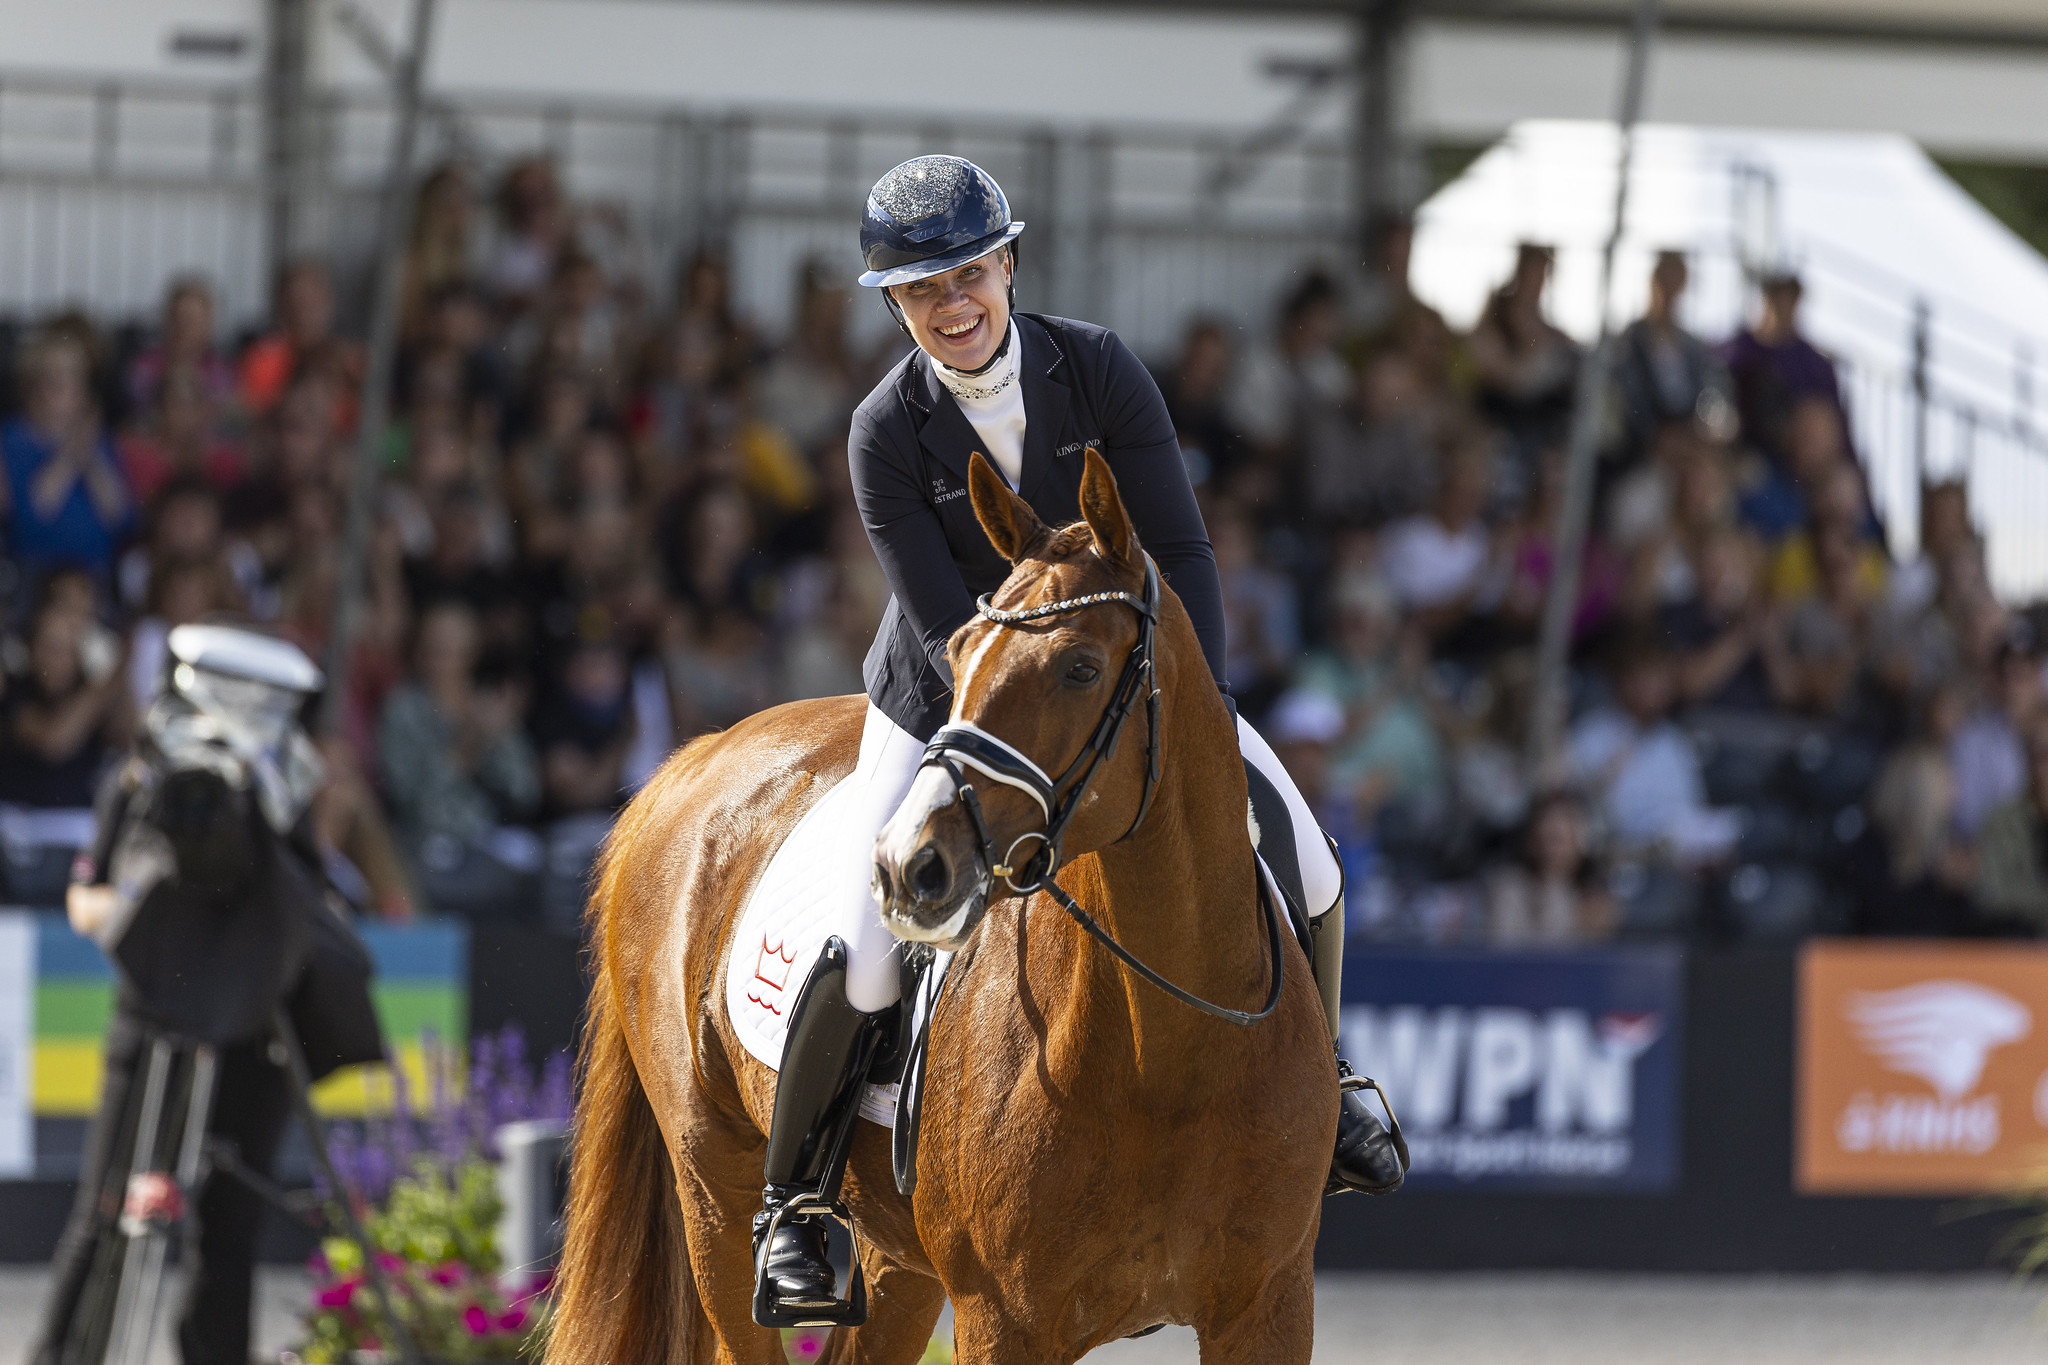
[(205, 889)]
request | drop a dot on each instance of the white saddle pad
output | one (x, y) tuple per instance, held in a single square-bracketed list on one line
[(795, 906)]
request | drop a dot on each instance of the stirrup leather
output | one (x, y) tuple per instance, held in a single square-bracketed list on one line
[(850, 1311)]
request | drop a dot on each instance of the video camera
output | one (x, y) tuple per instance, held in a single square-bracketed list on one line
[(220, 913), (205, 889)]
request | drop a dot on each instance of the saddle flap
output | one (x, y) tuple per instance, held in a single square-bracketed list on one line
[(1275, 847)]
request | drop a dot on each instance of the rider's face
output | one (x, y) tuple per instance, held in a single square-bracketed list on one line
[(959, 318)]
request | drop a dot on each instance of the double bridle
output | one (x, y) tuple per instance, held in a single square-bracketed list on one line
[(965, 745)]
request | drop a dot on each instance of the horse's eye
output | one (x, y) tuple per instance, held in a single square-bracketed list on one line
[(1083, 673)]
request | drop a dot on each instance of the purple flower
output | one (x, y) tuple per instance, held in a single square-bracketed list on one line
[(557, 1097), (390, 1264), (448, 1274), (476, 1320), (809, 1344), (512, 1319), (338, 1295)]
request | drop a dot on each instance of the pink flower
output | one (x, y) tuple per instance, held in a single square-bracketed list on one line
[(390, 1264), (448, 1274), (476, 1320), (808, 1345), (338, 1295), (512, 1319)]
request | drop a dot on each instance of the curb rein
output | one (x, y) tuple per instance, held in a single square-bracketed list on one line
[(965, 745)]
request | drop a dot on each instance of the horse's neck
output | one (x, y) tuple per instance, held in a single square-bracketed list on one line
[(1181, 895)]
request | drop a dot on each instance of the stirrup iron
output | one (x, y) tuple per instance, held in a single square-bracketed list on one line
[(851, 1311)]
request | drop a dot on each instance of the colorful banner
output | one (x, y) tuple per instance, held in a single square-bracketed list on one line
[(1922, 1066), (17, 1022), (1551, 1071), (421, 991)]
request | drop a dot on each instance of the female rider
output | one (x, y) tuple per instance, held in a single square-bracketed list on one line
[(1031, 393)]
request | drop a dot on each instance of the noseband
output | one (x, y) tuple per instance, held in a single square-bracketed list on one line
[(966, 745)]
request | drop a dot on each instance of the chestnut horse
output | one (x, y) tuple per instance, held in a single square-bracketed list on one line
[(1096, 1157)]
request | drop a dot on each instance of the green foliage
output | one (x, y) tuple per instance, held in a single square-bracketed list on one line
[(435, 1239), (2016, 195)]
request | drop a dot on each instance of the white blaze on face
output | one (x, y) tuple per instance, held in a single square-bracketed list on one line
[(1941, 1031), (930, 792)]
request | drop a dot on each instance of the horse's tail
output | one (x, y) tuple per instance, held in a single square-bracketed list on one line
[(626, 1295)]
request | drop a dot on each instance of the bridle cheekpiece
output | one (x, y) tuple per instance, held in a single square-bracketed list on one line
[(963, 745)]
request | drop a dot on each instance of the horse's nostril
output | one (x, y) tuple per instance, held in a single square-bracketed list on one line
[(927, 876), (884, 892)]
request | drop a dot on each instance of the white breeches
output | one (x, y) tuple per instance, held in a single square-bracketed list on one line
[(888, 764)]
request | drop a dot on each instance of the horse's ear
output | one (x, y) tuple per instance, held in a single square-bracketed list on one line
[(1102, 507), (1008, 519)]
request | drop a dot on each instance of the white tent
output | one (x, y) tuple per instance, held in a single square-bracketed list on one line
[(1879, 235)]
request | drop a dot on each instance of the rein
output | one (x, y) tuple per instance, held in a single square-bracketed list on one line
[(965, 745)]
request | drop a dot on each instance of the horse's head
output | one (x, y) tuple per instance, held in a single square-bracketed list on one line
[(1035, 689)]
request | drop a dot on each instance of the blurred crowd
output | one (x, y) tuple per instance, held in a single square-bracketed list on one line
[(609, 516)]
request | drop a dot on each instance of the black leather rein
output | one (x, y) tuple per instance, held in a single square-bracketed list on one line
[(962, 745)]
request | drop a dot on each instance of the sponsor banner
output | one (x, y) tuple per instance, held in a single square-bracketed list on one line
[(421, 990), (1922, 1067), (1546, 1071)]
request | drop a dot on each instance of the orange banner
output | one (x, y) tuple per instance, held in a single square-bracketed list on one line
[(1923, 1067)]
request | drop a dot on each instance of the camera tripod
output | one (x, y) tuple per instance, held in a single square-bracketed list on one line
[(156, 1162)]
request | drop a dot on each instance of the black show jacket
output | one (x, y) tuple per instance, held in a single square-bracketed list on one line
[(909, 449)]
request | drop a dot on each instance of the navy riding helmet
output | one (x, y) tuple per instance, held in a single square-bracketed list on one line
[(929, 215)]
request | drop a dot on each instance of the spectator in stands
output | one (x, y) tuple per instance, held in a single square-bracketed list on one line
[(1260, 609), (564, 409), (1437, 563), (455, 760), (2012, 849), (184, 526), (812, 384), (457, 567), (1197, 391), (439, 253), (1773, 366), (1525, 559), (180, 437), (1389, 751), (1284, 390), (62, 716), (1552, 893), (1665, 373), (1988, 753), (302, 341), (1527, 367), (534, 228), (1391, 469), (1728, 641), (1829, 637), (1641, 771), (65, 500), (184, 345), (1839, 509), (584, 726), (355, 840), (1912, 873), (181, 591)]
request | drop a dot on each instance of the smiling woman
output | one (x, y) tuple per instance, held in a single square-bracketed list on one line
[(1045, 400), (959, 318)]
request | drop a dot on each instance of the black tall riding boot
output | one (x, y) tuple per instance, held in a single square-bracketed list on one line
[(825, 1059), (1370, 1158)]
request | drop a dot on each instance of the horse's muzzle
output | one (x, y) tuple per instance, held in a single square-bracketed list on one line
[(928, 878)]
